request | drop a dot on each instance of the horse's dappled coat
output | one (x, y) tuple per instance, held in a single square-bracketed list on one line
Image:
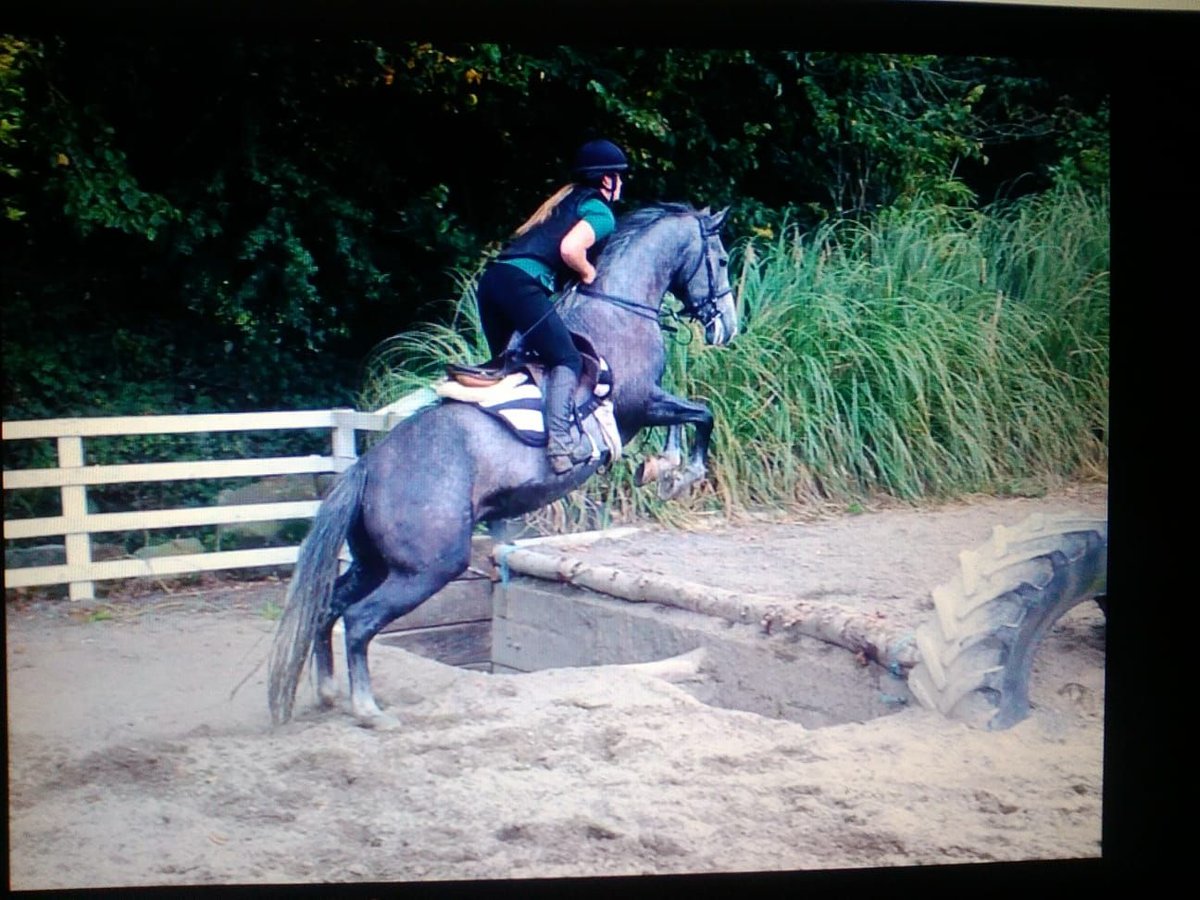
[(408, 506)]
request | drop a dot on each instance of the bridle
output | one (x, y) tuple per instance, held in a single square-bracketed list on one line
[(705, 312)]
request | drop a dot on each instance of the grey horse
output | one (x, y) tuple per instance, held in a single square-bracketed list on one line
[(409, 505)]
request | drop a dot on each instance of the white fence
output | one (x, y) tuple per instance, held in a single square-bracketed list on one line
[(73, 478)]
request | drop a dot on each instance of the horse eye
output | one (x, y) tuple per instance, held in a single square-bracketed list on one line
[(723, 261)]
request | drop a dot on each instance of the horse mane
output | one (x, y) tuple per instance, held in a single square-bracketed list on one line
[(634, 223)]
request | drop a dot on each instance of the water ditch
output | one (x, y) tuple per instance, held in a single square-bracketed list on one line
[(533, 606)]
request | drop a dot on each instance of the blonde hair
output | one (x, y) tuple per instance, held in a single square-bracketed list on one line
[(542, 213)]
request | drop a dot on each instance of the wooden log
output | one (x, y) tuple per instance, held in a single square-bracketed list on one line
[(875, 639), (577, 538)]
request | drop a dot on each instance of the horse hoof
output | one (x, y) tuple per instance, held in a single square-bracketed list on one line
[(671, 485), (378, 721), (327, 696), (647, 471), (676, 483), (368, 714)]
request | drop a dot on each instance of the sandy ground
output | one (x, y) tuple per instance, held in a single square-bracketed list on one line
[(140, 749)]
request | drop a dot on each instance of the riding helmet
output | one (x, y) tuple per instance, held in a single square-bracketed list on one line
[(597, 158)]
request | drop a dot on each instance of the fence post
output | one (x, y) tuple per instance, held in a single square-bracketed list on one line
[(345, 452), (74, 508)]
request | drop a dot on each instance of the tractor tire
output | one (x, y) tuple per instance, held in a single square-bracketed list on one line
[(976, 654)]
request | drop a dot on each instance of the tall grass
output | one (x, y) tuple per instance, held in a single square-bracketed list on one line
[(926, 353), (412, 359)]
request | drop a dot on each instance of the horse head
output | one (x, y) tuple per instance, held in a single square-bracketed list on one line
[(706, 292)]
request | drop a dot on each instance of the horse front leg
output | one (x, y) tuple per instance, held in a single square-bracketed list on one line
[(675, 412), (672, 450)]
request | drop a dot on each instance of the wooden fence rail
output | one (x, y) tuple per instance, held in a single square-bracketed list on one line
[(73, 478)]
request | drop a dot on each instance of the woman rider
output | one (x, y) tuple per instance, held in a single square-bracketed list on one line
[(551, 247)]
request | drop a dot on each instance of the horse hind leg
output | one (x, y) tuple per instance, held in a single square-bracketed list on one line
[(657, 468), (400, 593), (350, 587)]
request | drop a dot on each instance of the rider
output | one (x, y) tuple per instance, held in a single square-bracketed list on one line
[(549, 248)]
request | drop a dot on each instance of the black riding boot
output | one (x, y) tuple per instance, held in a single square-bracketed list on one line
[(562, 449)]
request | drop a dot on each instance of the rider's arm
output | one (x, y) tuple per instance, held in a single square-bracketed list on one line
[(574, 247)]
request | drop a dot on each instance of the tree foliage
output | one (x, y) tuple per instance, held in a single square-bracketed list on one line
[(222, 223)]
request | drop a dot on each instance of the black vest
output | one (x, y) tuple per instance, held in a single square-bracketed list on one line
[(541, 242)]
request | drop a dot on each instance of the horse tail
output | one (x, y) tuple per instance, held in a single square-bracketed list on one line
[(310, 593)]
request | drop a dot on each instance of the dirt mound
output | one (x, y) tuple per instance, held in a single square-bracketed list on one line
[(140, 750)]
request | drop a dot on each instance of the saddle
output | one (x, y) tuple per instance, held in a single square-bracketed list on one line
[(509, 388), (514, 360)]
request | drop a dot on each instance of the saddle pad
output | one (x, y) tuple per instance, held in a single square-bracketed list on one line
[(515, 400)]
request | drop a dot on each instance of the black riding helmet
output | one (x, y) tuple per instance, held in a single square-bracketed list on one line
[(598, 158)]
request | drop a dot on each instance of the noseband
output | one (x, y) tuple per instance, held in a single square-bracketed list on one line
[(705, 312)]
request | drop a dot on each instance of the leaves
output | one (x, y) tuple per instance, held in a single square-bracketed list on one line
[(296, 199), (14, 56)]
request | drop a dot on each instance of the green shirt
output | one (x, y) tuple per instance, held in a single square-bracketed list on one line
[(597, 214)]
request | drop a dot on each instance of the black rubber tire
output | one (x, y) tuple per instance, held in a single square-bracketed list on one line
[(977, 652)]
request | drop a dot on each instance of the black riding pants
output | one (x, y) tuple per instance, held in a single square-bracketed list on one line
[(511, 300)]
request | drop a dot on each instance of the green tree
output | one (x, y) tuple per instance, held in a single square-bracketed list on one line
[(247, 218), (12, 102)]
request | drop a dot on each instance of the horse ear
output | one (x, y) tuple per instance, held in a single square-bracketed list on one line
[(717, 221)]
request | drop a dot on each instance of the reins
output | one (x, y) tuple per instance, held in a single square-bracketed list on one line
[(705, 313), (632, 306)]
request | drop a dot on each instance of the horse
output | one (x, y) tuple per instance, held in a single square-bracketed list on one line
[(408, 506)]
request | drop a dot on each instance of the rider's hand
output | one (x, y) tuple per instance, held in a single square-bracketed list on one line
[(589, 276)]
